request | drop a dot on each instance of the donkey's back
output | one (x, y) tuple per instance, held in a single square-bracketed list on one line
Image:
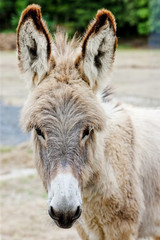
[(146, 124)]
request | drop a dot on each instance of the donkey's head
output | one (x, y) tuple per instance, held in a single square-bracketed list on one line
[(62, 109)]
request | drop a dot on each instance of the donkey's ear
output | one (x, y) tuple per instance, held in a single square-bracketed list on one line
[(98, 49), (34, 45)]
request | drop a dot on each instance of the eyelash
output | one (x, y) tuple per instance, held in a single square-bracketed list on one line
[(39, 132), (87, 131)]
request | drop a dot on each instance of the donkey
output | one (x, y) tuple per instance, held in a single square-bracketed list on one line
[(99, 160)]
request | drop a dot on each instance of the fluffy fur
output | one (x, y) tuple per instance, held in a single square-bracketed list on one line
[(118, 164), (34, 45), (98, 48)]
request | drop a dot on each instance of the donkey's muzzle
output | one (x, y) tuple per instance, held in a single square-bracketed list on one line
[(64, 220), (64, 200)]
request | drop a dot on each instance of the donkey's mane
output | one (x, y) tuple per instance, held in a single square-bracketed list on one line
[(107, 93), (63, 47)]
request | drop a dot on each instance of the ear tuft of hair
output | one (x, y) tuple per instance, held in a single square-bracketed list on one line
[(103, 15), (98, 49), (33, 11), (34, 45)]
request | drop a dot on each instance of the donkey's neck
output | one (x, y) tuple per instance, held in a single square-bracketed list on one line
[(107, 150), (103, 182)]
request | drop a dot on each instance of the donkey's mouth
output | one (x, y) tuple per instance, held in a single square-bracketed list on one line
[(64, 225)]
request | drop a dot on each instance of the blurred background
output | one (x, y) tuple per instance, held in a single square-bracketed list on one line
[(135, 78), (136, 19)]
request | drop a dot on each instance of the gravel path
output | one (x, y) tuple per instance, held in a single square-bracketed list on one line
[(10, 132)]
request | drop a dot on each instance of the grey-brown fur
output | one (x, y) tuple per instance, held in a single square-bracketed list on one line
[(61, 115), (111, 151)]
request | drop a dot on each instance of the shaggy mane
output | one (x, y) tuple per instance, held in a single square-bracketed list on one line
[(107, 93), (64, 48)]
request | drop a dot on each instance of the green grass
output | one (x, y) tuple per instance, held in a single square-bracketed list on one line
[(125, 47), (3, 184), (29, 151), (44, 195), (6, 149)]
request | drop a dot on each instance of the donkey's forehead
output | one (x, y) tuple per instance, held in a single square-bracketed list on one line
[(53, 103)]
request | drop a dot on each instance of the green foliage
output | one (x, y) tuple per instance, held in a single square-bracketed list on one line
[(142, 14), (154, 19), (6, 10), (134, 17)]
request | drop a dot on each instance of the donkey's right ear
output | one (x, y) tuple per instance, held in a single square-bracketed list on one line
[(34, 45)]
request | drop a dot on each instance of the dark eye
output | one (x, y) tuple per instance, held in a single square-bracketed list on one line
[(39, 132), (86, 132)]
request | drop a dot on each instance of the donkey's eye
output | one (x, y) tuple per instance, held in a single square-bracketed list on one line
[(86, 132), (39, 132)]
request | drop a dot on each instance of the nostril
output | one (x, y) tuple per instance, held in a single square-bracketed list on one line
[(52, 213), (77, 213)]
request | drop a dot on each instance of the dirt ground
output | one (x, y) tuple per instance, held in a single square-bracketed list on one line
[(136, 77), (23, 201), (7, 41)]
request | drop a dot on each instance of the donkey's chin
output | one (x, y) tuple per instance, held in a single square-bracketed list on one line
[(64, 225)]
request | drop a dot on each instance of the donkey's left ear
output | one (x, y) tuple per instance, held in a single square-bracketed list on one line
[(34, 45), (98, 49)]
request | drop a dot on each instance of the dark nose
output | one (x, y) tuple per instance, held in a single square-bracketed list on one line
[(64, 220)]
